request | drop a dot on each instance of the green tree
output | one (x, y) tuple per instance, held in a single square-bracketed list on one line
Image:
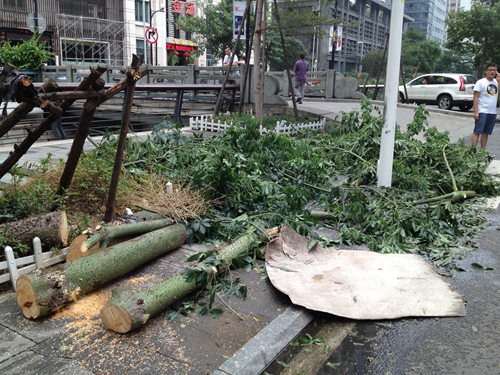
[(214, 31), (30, 54), (476, 32), (419, 55), (274, 50), (374, 64), (454, 62)]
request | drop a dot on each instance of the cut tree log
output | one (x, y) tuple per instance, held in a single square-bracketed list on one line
[(51, 228), (84, 244), (74, 249), (127, 310), (42, 292)]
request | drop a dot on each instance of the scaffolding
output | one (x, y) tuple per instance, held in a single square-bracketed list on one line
[(88, 40)]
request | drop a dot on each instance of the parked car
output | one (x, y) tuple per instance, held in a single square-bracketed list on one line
[(447, 90)]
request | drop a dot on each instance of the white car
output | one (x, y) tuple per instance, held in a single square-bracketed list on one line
[(447, 90)]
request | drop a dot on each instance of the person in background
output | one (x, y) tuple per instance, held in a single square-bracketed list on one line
[(485, 105), (226, 61), (300, 69)]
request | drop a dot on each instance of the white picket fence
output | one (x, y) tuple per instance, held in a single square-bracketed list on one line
[(30, 263), (207, 124)]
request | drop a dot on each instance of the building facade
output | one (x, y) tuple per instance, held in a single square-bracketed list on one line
[(429, 17), (102, 31), (371, 20)]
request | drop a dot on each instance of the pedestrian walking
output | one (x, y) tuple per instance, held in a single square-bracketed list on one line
[(485, 105), (300, 69)]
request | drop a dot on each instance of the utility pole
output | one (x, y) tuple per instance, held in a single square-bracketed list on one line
[(391, 93), (151, 14), (36, 16), (144, 31)]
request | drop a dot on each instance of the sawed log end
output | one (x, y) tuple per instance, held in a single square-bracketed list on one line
[(116, 318), (26, 297)]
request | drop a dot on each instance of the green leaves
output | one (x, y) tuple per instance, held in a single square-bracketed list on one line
[(27, 55)]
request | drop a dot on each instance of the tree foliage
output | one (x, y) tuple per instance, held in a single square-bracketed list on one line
[(375, 63), (213, 31), (274, 50), (455, 62), (476, 32), (419, 55), (30, 54)]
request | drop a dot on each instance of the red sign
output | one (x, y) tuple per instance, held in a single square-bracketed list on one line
[(151, 35), (190, 10), (179, 47), (177, 7)]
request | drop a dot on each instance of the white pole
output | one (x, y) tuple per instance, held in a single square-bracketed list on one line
[(384, 168)]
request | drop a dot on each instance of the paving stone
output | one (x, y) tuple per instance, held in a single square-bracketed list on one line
[(12, 343), (29, 363)]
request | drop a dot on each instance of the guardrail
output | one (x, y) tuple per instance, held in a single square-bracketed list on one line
[(191, 74), (320, 84)]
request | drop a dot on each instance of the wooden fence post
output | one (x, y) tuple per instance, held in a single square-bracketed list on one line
[(12, 266)]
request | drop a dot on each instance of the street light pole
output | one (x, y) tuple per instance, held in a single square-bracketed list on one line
[(151, 25), (360, 67)]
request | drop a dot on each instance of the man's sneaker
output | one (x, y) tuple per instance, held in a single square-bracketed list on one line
[(299, 100)]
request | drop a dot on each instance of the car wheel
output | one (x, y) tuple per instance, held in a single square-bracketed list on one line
[(402, 98), (464, 107), (445, 102)]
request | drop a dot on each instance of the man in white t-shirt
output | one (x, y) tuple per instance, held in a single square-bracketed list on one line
[(227, 59), (485, 105)]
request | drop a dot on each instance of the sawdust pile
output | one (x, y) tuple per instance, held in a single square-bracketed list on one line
[(89, 306)]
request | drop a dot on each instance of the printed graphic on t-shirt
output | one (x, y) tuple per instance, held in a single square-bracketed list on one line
[(491, 90)]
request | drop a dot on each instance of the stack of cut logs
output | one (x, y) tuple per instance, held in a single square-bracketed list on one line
[(101, 255)]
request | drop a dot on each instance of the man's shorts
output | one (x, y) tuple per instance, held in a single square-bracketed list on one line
[(485, 123)]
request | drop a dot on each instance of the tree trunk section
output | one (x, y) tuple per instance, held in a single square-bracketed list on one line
[(127, 311), (82, 245), (51, 228), (128, 101), (41, 292)]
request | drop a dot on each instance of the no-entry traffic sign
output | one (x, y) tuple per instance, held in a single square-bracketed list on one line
[(151, 35)]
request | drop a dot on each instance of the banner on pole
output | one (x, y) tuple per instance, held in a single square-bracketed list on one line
[(333, 39), (238, 12), (339, 38)]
